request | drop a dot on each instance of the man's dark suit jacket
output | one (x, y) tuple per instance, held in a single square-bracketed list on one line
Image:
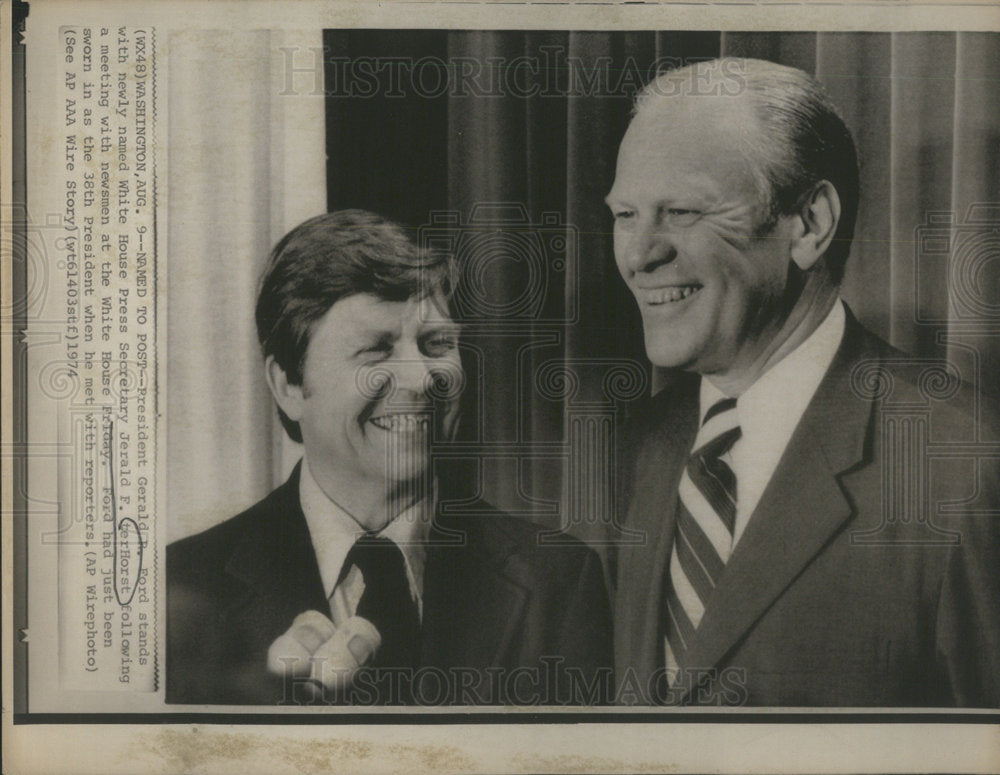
[(869, 573), (498, 602)]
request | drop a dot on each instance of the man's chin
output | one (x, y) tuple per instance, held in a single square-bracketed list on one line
[(665, 353), (404, 470), (407, 477)]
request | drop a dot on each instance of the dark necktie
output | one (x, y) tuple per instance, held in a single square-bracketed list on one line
[(706, 515), (386, 601)]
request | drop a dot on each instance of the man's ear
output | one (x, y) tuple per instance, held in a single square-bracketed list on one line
[(286, 395), (818, 217)]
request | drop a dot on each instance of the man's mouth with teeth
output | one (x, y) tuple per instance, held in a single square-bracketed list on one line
[(666, 295), (402, 423)]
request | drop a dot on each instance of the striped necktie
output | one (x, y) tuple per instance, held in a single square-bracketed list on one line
[(706, 513)]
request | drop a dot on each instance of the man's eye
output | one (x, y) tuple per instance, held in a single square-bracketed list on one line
[(440, 345), (624, 215), (682, 216), (376, 351)]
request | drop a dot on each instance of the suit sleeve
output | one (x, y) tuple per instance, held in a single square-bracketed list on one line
[(585, 637), (968, 615), (193, 655)]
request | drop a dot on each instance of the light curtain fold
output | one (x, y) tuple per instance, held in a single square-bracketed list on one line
[(922, 107), (243, 167)]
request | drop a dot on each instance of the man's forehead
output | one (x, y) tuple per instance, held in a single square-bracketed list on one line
[(691, 122), (697, 138), (369, 312)]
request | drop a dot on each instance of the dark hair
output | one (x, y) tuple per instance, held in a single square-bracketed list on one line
[(801, 139), (328, 258)]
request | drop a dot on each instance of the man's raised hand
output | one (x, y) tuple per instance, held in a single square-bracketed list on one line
[(313, 647)]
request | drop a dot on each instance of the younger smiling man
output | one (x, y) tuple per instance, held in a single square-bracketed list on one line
[(344, 576)]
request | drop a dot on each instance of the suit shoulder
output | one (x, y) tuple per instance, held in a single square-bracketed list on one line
[(681, 385), (205, 549), (933, 384), (500, 538)]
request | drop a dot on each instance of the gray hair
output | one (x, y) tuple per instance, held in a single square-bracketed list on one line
[(801, 137)]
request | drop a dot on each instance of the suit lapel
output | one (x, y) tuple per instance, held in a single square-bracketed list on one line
[(473, 604), (800, 510), (276, 564), (657, 464)]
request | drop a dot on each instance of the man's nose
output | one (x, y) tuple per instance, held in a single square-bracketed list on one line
[(411, 379), (648, 246)]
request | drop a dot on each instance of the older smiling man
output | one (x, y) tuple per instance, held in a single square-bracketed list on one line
[(345, 584), (802, 547)]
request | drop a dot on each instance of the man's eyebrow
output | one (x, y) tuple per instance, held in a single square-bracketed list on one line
[(442, 325), (374, 337)]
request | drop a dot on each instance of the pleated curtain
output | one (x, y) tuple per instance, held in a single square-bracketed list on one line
[(927, 123), (243, 165), (924, 271)]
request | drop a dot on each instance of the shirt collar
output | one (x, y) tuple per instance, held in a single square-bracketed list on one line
[(786, 389), (333, 532), (794, 378), (769, 411)]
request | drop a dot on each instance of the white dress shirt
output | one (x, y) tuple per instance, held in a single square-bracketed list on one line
[(770, 409), (333, 532)]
